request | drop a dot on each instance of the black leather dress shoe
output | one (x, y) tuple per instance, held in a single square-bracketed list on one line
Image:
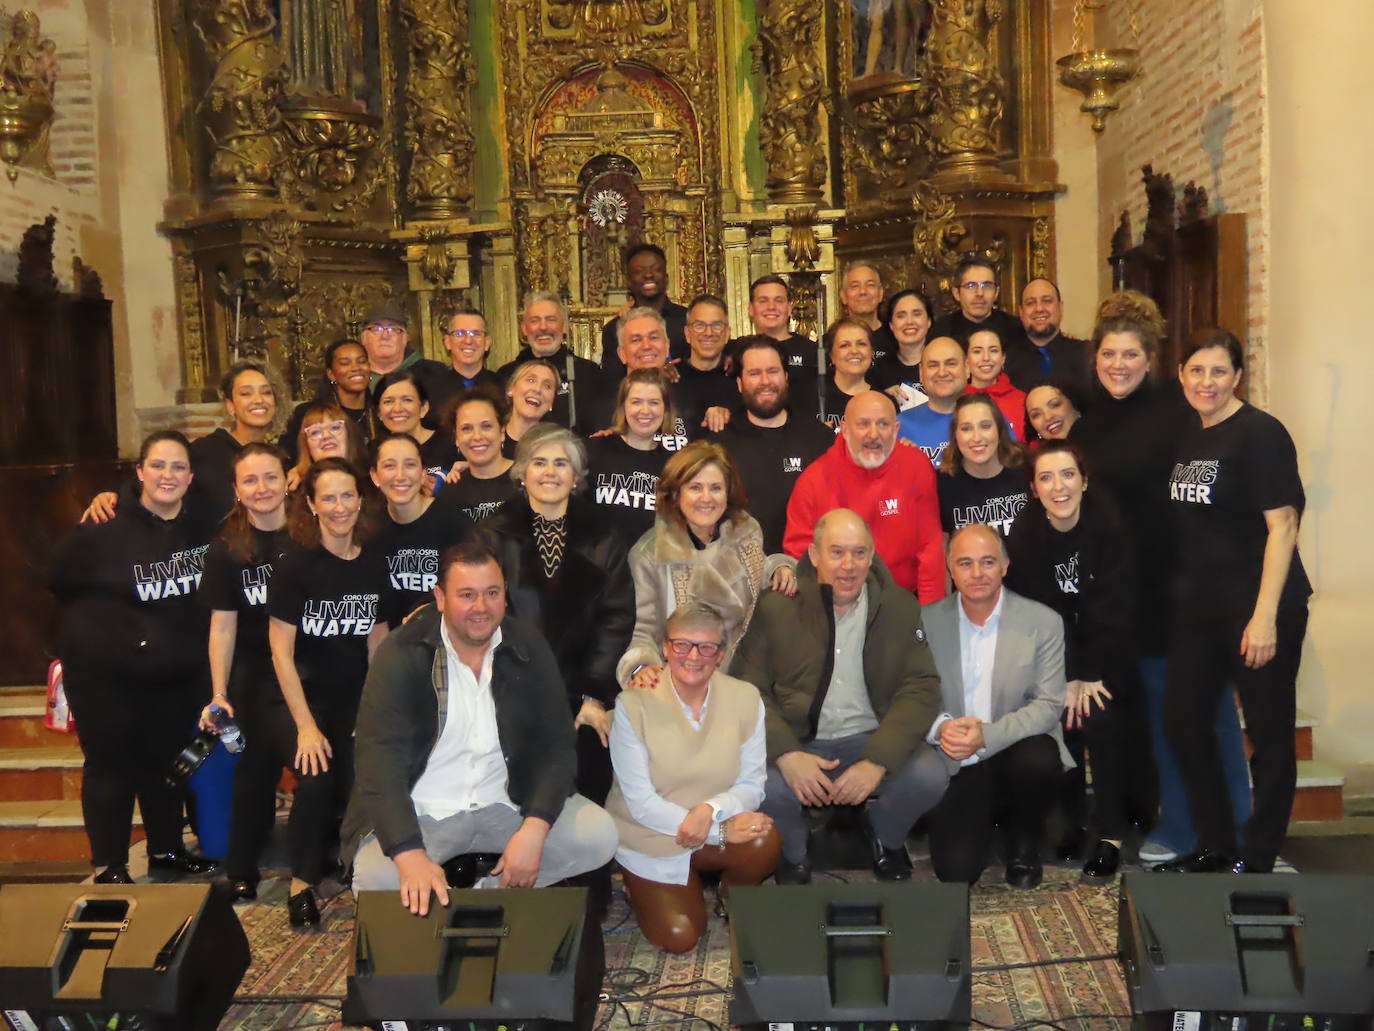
[(792, 873), (460, 871), (241, 890), (1073, 846), (1103, 864), (114, 875), (889, 864), (302, 910), (1024, 870), (1201, 861), (179, 864)]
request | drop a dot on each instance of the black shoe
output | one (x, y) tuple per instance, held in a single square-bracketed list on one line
[(236, 889), (889, 864), (1201, 861), (1023, 865), (720, 908), (114, 875), (461, 871), (792, 873), (483, 863), (302, 910), (1103, 864), (179, 864), (1073, 846)]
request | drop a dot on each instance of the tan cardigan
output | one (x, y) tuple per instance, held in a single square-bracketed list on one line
[(668, 569)]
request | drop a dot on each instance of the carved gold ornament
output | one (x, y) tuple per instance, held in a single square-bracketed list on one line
[(606, 207), (1097, 73), (795, 92), (28, 78)]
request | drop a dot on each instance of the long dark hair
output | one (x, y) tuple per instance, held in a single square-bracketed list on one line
[(303, 525), (237, 530)]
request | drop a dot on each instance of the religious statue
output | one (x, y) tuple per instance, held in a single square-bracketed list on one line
[(28, 81), (317, 38), (909, 19)]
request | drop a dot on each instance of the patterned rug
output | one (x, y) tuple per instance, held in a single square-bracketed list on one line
[(1059, 920)]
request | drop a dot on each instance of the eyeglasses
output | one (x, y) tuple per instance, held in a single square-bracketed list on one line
[(681, 647), (385, 328), (986, 284), (709, 327), (323, 429), (466, 334)]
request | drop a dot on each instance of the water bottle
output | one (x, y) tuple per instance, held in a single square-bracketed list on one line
[(229, 734)]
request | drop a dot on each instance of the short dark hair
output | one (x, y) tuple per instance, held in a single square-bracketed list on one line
[(157, 437), (756, 342), (332, 349), (1043, 279), (399, 376), (226, 382), (891, 304), (476, 548), (719, 302), (1057, 447), (1214, 336), (644, 248), (974, 259), (387, 438), (772, 279), (483, 393)]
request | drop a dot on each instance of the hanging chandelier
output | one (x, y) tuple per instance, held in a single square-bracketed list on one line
[(1097, 73)]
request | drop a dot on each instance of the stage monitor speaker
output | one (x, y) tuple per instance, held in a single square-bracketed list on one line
[(496, 957), (146, 957), (1270, 952), (835, 955)]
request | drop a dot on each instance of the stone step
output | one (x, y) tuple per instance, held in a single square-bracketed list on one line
[(47, 831), (1321, 787), (1302, 735), (37, 774), (21, 721)]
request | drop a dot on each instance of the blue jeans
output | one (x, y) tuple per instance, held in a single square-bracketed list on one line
[(1175, 827)]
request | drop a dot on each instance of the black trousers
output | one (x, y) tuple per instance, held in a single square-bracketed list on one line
[(1204, 656), (593, 766), (312, 831), (1104, 739), (1016, 788), (130, 732)]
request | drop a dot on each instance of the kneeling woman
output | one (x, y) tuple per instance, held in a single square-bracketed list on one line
[(689, 760), (325, 624), (1070, 550)]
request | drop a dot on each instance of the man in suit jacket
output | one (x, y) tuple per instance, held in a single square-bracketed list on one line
[(1001, 662)]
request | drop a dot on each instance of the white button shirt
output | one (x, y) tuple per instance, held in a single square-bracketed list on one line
[(977, 651), (467, 770)]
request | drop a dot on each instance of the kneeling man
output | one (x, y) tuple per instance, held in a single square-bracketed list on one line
[(849, 690), (1001, 662), (464, 745)]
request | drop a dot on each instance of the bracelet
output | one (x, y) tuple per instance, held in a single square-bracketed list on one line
[(214, 696), (724, 827)]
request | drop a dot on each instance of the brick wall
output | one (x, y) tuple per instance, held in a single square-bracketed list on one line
[(1198, 112)]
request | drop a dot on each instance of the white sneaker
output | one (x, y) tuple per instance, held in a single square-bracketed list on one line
[(1154, 852)]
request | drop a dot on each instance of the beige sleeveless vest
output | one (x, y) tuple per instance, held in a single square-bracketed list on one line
[(686, 766)]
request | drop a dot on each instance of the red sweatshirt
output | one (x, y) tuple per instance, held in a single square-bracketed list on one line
[(1011, 401), (897, 500)]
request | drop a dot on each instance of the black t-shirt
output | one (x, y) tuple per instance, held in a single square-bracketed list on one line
[(438, 454), (884, 343), (411, 552), (994, 502), (954, 325), (478, 498), (577, 392), (674, 319), (333, 604), (1224, 479), (229, 585), (445, 390), (835, 402), (888, 371), (697, 390), (770, 461), (212, 461), (622, 483)]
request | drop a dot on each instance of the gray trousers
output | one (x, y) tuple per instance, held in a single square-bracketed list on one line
[(582, 838), (901, 798)]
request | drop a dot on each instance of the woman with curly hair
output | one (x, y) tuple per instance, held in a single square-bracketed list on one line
[(1129, 436), (702, 547)]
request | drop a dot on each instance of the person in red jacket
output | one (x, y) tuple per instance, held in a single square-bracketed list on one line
[(987, 358), (891, 488)]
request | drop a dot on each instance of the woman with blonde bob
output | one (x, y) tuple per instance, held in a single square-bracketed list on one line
[(703, 547)]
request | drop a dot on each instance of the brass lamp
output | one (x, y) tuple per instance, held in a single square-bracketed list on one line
[(1097, 73)]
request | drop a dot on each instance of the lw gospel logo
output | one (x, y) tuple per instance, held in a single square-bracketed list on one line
[(791, 465), (178, 575), (351, 616), (889, 506)]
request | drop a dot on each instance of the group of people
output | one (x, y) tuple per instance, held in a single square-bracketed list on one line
[(506, 627)]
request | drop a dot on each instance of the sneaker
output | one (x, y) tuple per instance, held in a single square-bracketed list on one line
[(1155, 852)]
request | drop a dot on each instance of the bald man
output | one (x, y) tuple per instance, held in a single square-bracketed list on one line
[(849, 690), (1001, 662), (890, 486)]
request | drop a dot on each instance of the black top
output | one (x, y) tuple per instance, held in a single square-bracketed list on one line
[(1223, 481), (476, 498), (411, 552), (333, 604), (129, 587), (290, 436), (674, 317), (1064, 357), (438, 454), (889, 370), (241, 587), (1129, 445), (884, 343), (994, 502), (622, 481), (770, 461), (585, 382), (835, 402), (212, 458), (954, 324), (697, 390), (450, 386), (434, 376), (1087, 575)]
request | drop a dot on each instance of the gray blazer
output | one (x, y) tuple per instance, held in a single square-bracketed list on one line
[(1028, 684)]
